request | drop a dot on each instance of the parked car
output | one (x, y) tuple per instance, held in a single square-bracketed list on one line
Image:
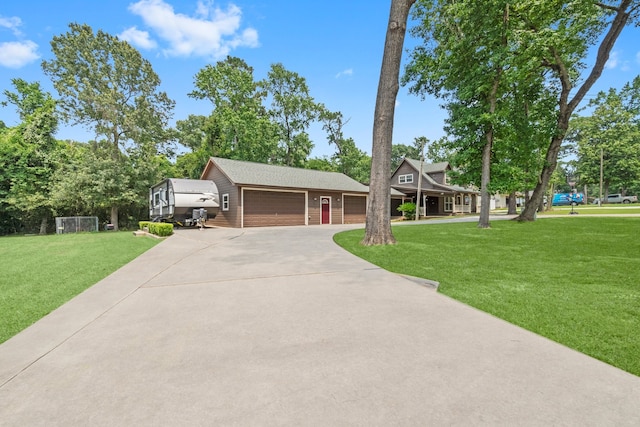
[(565, 199), (617, 198)]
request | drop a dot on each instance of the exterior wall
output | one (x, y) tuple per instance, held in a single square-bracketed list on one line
[(315, 209), (405, 169), (231, 217), (438, 177)]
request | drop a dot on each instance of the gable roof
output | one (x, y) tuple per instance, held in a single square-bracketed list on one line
[(245, 173), (428, 168)]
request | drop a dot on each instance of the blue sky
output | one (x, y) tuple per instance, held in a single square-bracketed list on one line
[(335, 44)]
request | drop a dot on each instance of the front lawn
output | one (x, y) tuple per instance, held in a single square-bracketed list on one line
[(575, 280), (40, 273)]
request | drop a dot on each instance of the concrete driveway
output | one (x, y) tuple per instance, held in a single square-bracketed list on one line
[(279, 326)]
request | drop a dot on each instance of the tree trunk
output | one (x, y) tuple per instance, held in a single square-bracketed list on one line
[(43, 225), (378, 225), (567, 108), (485, 208), (513, 204), (114, 217)]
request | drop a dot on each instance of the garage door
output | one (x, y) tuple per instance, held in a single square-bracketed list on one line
[(271, 208), (355, 209)]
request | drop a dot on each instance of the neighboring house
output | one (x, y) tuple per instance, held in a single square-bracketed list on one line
[(258, 195), (439, 197)]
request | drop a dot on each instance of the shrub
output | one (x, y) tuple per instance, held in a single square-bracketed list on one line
[(161, 229), (408, 209)]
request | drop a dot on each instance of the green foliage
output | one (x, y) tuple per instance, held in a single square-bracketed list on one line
[(106, 85), (41, 273), (292, 110), (613, 127), (161, 229), (581, 290), (408, 209), (28, 158), (239, 126)]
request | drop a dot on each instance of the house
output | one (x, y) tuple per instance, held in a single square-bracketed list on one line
[(258, 195), (438, 196)]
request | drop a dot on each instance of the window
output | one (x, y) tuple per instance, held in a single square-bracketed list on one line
[(459, 199), (405, 179), (448, 204), (225, 202), (156, 198)]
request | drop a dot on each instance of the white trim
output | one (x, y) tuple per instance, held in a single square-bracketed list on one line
[(225, 202), (330, 207), (269, 190), (406, 180)]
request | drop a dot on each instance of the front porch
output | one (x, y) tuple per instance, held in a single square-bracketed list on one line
[(434, 203)]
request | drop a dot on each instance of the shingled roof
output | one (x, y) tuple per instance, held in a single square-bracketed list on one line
[(264, 175)]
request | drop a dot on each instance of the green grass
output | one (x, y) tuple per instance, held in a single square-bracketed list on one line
[(574, 280), (40, 273), (587, 209)]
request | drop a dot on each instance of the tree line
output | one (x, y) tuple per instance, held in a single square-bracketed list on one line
[(106, 86)]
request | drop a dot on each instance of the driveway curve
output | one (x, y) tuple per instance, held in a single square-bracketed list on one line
[(279, 326)]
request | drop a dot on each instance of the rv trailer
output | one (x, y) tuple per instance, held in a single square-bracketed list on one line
[(185, 202)]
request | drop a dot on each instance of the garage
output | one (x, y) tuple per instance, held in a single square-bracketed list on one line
[(355, 209), (273, 208)]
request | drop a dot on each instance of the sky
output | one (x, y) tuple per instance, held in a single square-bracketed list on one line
[(335, 45)]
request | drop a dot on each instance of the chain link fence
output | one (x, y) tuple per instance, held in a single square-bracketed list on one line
[(76, 224)]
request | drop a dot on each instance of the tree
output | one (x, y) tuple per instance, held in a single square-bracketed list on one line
[(401, 151), (349, 159), (293, 110), (560, 35), (239, 126), (106, 85), (378, 222), (28, 157), (466, 60), (613, 130)]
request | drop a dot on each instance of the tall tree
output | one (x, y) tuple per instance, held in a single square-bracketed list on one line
[(239, 126), (378, 223), (28, 155), (561, 34), (613, 129), (106, 85), (464, 60), (292, 109), (349, 159)]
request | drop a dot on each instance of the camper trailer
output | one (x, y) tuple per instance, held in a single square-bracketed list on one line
[(185, 202)]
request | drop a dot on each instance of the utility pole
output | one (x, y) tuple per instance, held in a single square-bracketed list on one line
[(418, 195), (601, 175)]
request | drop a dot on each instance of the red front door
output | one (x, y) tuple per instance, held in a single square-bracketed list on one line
[(326, 210)]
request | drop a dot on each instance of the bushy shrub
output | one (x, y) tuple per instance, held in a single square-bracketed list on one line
[(161, 229), (408, 209)]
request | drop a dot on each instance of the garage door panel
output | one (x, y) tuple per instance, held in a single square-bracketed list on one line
[(270, 208), (355, 209)]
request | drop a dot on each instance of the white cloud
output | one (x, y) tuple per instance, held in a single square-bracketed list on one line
[(213, 32), (11, 23), (138, 38), (18, 54), (613, 60), (347, 72)]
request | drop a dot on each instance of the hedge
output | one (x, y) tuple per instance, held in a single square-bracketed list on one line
[(161, 229)]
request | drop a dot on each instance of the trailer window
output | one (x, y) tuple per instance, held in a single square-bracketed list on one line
[(156, 199), (225, 202)]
